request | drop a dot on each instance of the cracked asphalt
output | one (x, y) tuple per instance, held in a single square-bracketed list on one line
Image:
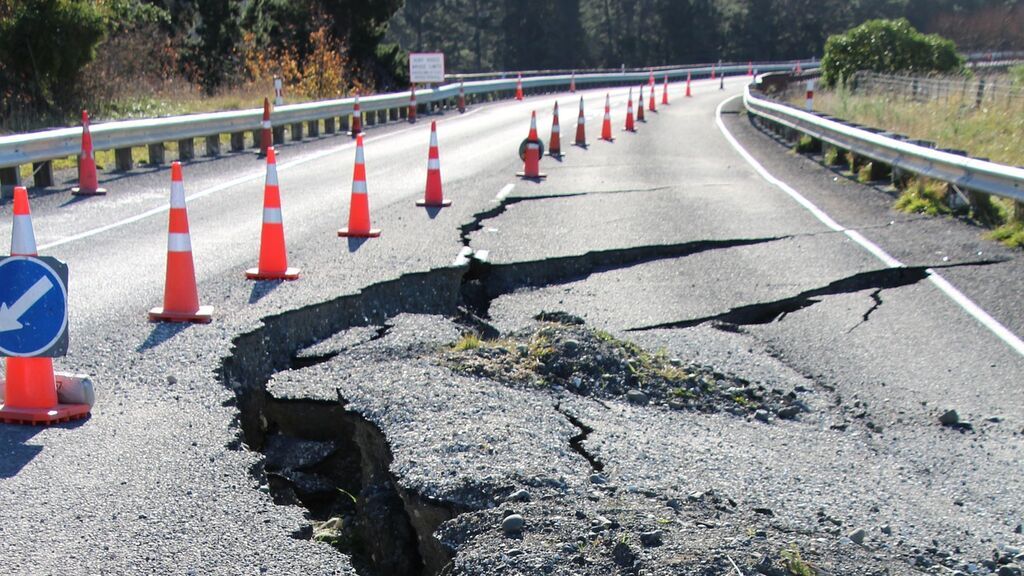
[(666, 238)]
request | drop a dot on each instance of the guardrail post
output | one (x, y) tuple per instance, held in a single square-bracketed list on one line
[(382, 116), (403, 113), (213, 145), (345, 123), (237, 141), (186, 149), (371, 118), (256, 138), (297, 132), (313, 127), (329, 125), (980, 96), (123, 160), (1018, 211), (9, 178), (278, 134), (42, 174), (392, 114), (156, 153)]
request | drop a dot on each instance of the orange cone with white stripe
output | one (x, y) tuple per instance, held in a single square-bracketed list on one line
[(750, 68), (519, 87), (640, 106), (688, 93), (581, 128), (664, 92), (266, 137), (88, 182), (462, 97), (273, 264), (712, 71), (359, 208), (650, 80), (606, 126), (572, 84), (531, 161), (29, 384), (181, 297), (652, 106), (357, 119), (434, 196), (412, 104), (630, 126), (555, 144)]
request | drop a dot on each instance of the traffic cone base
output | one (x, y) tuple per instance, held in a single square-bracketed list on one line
[(371, 233), (77, 191), (40, 372), (287, 274), (537, 176), (441, 204), (203, 315)]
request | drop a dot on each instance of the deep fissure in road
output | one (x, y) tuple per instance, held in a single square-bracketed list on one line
[(346, 475)]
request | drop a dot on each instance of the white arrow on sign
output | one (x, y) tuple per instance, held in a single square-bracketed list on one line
[(9, 316)]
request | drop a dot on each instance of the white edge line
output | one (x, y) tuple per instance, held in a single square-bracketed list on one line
[(256, 175), (505, 191), (986, 320)]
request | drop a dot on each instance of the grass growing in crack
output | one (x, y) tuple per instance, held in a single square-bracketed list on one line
[(865, 172), (805, 145), (796, 565), (467, 342), (831, 156), (924, 196)]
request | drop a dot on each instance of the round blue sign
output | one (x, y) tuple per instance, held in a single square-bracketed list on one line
[(33, 307)]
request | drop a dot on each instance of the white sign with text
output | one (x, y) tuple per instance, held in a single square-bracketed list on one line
[(426, 67)]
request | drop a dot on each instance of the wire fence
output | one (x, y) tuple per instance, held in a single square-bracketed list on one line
[(979, 90)]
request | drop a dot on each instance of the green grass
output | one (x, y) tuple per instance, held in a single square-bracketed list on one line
[(804, 145), (1011, 234), (468, 342), (923, 196), (796, 565)]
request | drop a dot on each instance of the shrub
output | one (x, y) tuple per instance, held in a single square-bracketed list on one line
[(887, 46)]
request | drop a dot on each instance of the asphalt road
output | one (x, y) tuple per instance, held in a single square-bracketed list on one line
[(667, 237)]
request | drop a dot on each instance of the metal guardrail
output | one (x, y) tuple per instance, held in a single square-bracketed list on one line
[(966, 173), (48, 145)]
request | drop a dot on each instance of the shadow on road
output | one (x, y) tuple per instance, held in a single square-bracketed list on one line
[(15, 454), (162, 333), (261, 288), (355, 243)]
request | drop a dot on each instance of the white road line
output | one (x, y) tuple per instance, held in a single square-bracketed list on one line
[(1000, 331), (255, 175), (504, 193)]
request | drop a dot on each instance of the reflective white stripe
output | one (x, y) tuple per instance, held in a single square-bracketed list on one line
[(582, 120), (532, 146), (271, 175), (177, 195), (433, 139), (266, 124), (178, 242), (433, 164), (272, 216), (556, 129), (23, 239), (359, 155), (359, 187)]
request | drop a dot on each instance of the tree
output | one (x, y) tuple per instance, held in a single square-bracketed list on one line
[(45, 43), (887, 46)]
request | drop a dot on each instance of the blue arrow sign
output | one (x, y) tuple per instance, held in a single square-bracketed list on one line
[(33, 307)]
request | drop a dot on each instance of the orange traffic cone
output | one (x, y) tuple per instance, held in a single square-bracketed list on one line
[(640, 106), (30, 385), (712, 71), (650, 81), (531, 157), (664, 92), (519, 87), (651, 105), (798, 70), (572, 84), (581, 128), (357, 119), (434, 197), (462, 98), (750, 68), (88, 183), (555, 144), (630, 126), (606, 126), (181, 297), (688, 93), (266, 137), (273, 264), (412, 104), (359, 208)]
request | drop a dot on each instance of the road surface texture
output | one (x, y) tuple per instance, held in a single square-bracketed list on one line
[(713, 381)]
